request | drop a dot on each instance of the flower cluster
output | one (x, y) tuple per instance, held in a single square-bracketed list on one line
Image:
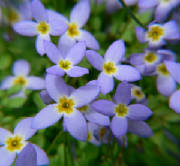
[(87, 113)]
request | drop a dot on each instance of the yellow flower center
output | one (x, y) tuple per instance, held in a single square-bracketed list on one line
[(137, 93), (102, 132), (20, 80), (65, 105), (121, 110), (64, 64), (155, 33), (73, 30), (150, 57), (13, 16), (84, 108), (162, 70), (14, 143), (43, 28), (109, 68), (89, 136)]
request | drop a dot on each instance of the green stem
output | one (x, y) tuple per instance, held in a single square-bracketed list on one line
[(132, 15), (54, 141)]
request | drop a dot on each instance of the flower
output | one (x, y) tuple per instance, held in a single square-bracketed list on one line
[(66, 64), (78, 18), (174, 70), (121, 110), (110, 67), (158, 34), (14, 143), (66, 103), (46, 24), (27, 156), (21, 70), (147, 61), (162, 7)]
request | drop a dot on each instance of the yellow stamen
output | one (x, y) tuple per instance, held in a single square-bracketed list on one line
[(14, 143), (65, 105), (137, 93), (155, 33), (73, 30), (109, 68), (64, 64), (102, 132), (150, 57), (89, 136), (20, 80), (121, 110), (43, 28), (13, 16), (162, 70)]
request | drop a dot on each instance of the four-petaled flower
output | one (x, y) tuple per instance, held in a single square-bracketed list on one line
[(110, 67), (121, 110)]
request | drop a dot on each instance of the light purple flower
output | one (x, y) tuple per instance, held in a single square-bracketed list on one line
[(68, 63), (66, 103), (174, 70), (21, 69), (162, 7), (78, 18), (27, 156), (158, 34), (121, 110), (110, 67), (45, 24), (146, 62), (14, 143)]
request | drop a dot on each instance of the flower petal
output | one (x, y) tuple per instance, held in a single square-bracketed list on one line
[(56, 87), (45, 97), (57, 24), (127, 73), (35, 83), (162, 11), (80, 13), (95, 117), (171, 30), (54, 14), (123, 93), (90, 40), (139, 128), (27, 156), (76, 125), (24, 128), (77, 71), (138, 112), (137, 59), (147, 4), (52, 52), (55, 70), (140, 34), (42, 158), (6, 157), (81, 97), (46, 117), (105, 107), (4, 134), (40, 44), (65, 43), (21, 67), (106, 83), (95, 59), (7, 83), (174, 69), (174, 101), (26, 28), (38, 11), (115, 51), (119, 126), (76, 53), (165, 85), (167, 54)]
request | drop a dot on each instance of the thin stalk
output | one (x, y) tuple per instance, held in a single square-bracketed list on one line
[(132, 15)]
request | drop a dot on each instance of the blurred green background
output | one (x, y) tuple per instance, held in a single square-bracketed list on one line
[(161, 149)]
